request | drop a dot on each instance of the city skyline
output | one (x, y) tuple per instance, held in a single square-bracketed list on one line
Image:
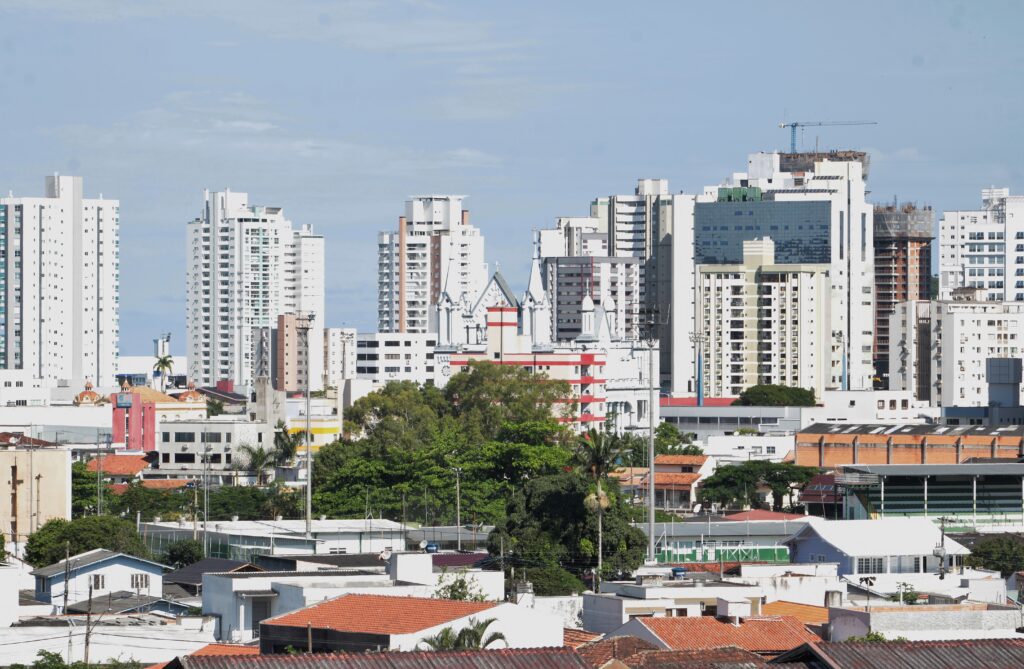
[(523, 112)]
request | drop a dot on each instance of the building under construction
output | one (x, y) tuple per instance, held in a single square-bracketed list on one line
[(903, 261), (804, 161)]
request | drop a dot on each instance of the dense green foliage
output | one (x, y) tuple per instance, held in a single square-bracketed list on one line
[(1001, 552), (768, 395), (737, 485), (548, 525), (150, 502), (83, 490), (552, 580), (182, 553), (252, 503), (874, 637), (47, 545), (492, 425), (456, 586)]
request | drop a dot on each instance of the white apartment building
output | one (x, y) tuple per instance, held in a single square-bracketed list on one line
[(382, 357), (764, 323), (247, 266), (569, 280), (59, 284), (435, 253), (940, 347), (339, 356), (207, 450), (813, 207), (984, 248)]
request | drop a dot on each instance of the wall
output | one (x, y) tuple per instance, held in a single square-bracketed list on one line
[(117, 574), (35, 486), (9, 582), (522, 627), (809, 547), (942, 621)]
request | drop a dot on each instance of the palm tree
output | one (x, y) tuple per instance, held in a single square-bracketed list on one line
[(214, 407), (164, 366), (472, 637), (285, 444), (596, 453), (257, 459)]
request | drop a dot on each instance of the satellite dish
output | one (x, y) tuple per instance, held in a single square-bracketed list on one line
[(423, 544)]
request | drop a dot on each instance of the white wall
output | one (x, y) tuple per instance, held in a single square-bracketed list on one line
[(522, 627), (116, 577)]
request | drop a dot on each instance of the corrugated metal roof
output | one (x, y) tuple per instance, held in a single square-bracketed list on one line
[(526, 658), (964, 469), (987, 653), (923, 429)]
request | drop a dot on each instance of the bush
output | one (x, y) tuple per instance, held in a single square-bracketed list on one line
[(49, 543), (553, 581), (768, 395)]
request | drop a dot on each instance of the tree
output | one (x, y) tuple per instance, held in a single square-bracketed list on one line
[(596, 454), (667, 438), (83, 490), (472, 637), (739, 484), (50, 660), (164, 366), (285, 444), (768, 395), (182, 553), (47, 545), (553, 581), (148, 503), (1001, 552), (459, 588), (252, 503), (214, 407), (873, 637), (257, 461), (691, 449)]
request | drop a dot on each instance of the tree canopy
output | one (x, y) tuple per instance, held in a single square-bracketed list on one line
[(1001, 552), (738, 484), (47, 545), (767, 395), (182, 553)]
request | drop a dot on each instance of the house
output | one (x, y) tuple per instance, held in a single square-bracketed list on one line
[(241, 599), (98, 573), (614, 651), (359, 623), (654, 596), (880, 546), (188, 580), (516, 658), (711, 539), (120, 468), (122, 602), (767, 636), (933, 654)]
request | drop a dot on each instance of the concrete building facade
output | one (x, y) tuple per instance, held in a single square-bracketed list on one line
[(35, 487), (247, 266), (59, 285), (984, 248), (764, 323)]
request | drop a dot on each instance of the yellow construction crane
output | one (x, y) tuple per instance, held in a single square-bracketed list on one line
[(793, 125)]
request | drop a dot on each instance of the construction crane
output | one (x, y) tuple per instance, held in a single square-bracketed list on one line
[(793, 125)]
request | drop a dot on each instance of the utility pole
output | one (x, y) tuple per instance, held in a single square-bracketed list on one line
[(206, 497), (699, 339), (88, 626), (458, 506), (653, 321)]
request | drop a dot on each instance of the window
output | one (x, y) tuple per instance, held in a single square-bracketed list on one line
[(871, 565), (184, 437), (140, 581), (167, 437), (98, 581)]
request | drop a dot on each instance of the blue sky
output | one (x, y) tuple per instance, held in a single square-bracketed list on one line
[(337, 111)]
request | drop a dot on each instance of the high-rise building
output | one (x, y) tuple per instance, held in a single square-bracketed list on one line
[(984, 248), (339, 356), (763, 323), (434, 253), (903, 261), (939, 349), (570, 280), (247, 266), (59, 269), (815, 214)]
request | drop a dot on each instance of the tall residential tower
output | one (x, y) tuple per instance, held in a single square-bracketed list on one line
[(247, 266), (59, 286)]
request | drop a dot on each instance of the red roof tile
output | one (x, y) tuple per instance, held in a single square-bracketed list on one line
[(119, 465), (574, 638), (764, 514), (379, 614), (599, 653), (21, 439), (152, 484), (692, 401), (226, 649), (697, 460), (730, 655), (762, 635), (667, 479), (808, 614)]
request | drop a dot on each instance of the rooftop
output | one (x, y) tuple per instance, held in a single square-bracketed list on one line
[(880, 536), (265, 528), (154, 484), (692, 401), (911, 654), (118, 464), (1015, 469), (763, 514), (574, 638), (667, 459), (522, 658), (599, 653), (86, 559), (915, 430), (808, 614), (764, 635), (379, 614), (193, 574)]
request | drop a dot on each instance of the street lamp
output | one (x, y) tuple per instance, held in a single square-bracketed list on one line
[(458, 506), (304, 324)]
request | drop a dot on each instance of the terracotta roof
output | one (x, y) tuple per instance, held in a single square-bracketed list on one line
[(574, 638), (21, 439), (697, 460), (732, 568), (519, 658), (674, 479), (764, 514), (153, 484), (599, 653), (226, 649), (119, 465), (629, 475), (760, 634), (638, 476), (379, 614), (808, 614), (147, 394), (692, 401)]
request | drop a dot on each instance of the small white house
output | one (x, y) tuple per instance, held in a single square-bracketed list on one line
[(107, 572)]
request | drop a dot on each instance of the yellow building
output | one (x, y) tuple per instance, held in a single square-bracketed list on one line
[(35, 487)]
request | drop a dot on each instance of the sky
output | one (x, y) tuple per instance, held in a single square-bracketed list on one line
[(339, 111)]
